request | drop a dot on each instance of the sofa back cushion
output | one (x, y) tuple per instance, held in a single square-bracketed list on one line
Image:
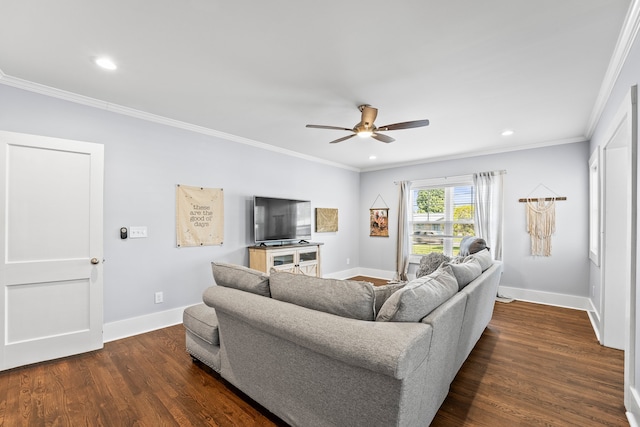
[(466, 271), (383, 293), (240, 277), (484, 258), (346, 298), (419, 297)]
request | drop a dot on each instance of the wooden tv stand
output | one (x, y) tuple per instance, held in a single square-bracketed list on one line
[(298, 258)]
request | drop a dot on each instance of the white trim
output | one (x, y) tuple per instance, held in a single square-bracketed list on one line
[(595, 324), (633, 408), (594, 318), (131, 112), (547, 298), (595, 204), (477, 153), (139, 325), (621, 51)]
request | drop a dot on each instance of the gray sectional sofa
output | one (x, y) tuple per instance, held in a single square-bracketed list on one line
[(325, 352)]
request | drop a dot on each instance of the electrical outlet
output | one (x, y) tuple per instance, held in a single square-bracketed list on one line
[(159, 297), (348, 261)]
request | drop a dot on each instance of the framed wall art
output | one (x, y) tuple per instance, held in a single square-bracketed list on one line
[(326, 220), (379, 222), (199, 216)]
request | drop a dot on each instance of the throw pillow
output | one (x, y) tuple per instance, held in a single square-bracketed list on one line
[(346, 298), (240, 277), (384, 292), (418, 298), (466, 272), (430, 262), (471, 244), (484, 258)]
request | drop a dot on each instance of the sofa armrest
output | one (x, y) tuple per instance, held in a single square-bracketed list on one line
[(392, 348)]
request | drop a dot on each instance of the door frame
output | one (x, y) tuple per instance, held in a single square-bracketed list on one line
[(625, 117)]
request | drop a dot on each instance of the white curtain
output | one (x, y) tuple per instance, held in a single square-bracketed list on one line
[(404, 243), (489, 212)]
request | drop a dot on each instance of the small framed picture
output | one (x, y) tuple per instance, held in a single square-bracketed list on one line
[(379, 222)]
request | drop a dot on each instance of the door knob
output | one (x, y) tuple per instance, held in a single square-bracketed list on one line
[(94, 261)]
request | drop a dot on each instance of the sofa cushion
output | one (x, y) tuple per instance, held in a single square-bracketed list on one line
[(201, 321), (384, 292), (346, 298), (419, 297), (484, 258), (240, 277), (471, 244), (466, 271)]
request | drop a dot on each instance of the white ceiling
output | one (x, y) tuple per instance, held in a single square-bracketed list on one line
[(261, 71)]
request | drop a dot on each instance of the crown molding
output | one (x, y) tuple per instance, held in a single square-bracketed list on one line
[(478, 153), (627, 36), (142, 115)]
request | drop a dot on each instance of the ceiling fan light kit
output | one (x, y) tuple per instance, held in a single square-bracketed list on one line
[(366, 126)]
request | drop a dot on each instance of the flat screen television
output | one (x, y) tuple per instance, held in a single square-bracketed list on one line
[(281, 220)]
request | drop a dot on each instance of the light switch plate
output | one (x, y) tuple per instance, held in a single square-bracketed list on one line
[(137, 232)]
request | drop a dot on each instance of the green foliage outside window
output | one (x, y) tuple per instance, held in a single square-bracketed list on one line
[(463, 212), (430, 201)]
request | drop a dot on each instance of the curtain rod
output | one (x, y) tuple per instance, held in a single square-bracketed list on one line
[(497, 172)]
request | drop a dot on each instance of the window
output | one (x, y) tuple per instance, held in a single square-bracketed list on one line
[(442, 213)]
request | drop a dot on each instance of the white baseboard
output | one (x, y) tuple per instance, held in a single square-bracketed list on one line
[(369, 272), (633, 407), (344, 274), (139, 325), (546, 298)]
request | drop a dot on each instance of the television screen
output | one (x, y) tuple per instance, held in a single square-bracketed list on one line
[(277, 219)]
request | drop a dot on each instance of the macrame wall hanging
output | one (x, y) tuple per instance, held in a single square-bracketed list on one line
[(541, 221)]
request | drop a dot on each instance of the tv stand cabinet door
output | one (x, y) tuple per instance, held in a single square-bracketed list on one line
[(309, 261)]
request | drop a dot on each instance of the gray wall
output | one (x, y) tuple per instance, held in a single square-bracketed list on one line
[(564, 169), (143, 163)]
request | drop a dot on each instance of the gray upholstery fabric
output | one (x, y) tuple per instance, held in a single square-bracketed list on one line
[(312, 368), (430, 263), (466, 271), (201, 320), (471, 244), (394, 349), (419, 297), (442, 364), (346, 298), (384, 292), (484, 258), (203, 351), (239, 277), (481, 296)]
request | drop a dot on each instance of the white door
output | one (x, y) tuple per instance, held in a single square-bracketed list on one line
[(51, 256)]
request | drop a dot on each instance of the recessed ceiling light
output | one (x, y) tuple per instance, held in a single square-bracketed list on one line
[(372, 157), (106, 63), (507, 132)]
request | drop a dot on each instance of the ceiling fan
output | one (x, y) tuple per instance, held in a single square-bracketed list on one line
[(366, 127)]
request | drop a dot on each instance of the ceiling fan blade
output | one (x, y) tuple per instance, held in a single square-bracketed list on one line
[(369, 115), (405, 125), (328, 127), (383, 138), (344, 138)]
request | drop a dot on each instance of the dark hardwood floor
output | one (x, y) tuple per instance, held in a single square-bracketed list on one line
[(534, 366)]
